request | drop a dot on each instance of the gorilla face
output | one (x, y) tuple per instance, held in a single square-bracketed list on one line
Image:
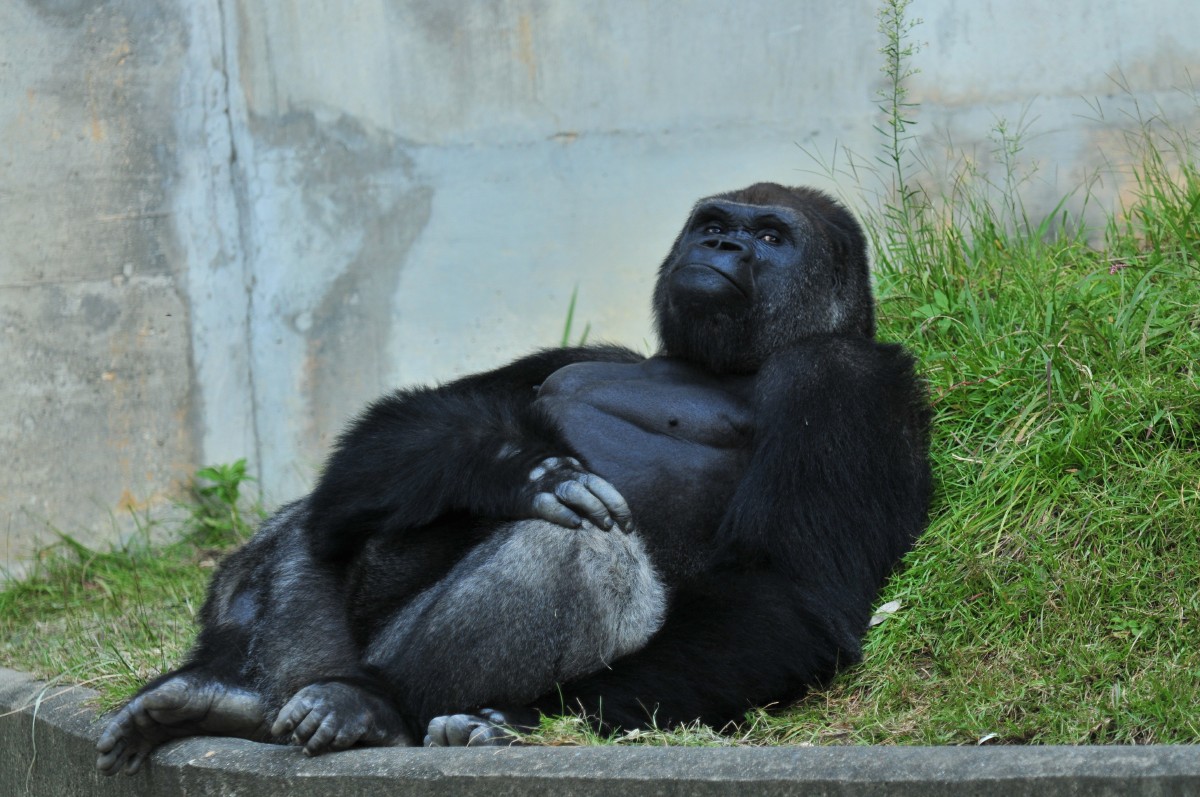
[(728, 249), (756, 270)]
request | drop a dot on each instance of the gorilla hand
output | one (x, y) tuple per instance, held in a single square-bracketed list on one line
[(491, 727), (330, 715), (565, 493)]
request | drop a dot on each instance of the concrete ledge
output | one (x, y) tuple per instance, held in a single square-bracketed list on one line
[(47, 735)]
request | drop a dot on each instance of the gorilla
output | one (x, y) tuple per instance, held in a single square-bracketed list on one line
[(647, 541)]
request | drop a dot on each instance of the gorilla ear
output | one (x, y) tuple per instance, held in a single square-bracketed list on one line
[(847, 243), (845, 235), (848, 249)]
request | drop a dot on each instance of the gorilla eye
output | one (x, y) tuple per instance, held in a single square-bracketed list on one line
[(712, 229), (770, 238)]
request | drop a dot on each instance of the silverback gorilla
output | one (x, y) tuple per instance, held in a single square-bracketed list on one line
[(648, 541)]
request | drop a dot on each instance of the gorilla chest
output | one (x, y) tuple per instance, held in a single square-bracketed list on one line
[(674, 439)]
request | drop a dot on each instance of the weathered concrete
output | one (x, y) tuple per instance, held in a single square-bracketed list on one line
[(93, 319), (225, 224), (47, 735)]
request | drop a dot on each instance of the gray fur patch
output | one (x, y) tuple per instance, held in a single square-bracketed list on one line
[(532, 606), (236, 584), (624, 590)]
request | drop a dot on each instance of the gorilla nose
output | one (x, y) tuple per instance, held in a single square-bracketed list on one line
[(723, 245)]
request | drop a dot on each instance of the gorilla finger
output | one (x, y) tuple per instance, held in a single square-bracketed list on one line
[(308, 726), (435, 735), (134, 765), (107, 741), (545, 466), (547, 507), (114, 733), (290, 716), (348, 736), (613, 500), (579, 498), (551, 464), (489, 735), (325, 733), (110, 762), (459, 728)]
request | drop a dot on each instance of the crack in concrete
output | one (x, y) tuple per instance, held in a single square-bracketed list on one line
[(238, 187)]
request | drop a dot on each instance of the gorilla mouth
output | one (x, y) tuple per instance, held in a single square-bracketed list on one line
[(701, 275)]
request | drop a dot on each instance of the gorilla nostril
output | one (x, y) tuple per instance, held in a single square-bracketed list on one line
[(722, 245)]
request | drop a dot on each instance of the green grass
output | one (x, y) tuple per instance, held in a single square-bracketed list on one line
[(1056, 595), (112, 619)]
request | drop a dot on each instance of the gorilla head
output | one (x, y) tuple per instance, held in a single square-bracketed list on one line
[(756, 270)]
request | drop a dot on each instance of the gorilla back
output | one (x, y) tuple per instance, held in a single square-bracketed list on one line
[(648, 541)]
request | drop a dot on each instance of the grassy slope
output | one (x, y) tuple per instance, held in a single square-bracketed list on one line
[(1056, 596)]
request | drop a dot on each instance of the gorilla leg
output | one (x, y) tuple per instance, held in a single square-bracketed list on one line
[(532, 606), (272, 623), (212, 693)]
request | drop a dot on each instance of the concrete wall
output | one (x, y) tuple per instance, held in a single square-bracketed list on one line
[(225, 224)]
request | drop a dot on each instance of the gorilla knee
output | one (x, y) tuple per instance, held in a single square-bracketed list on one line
[(532, 606), (616, 577), (601, 583)]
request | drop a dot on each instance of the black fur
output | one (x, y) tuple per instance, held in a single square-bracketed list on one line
[(773, 457)]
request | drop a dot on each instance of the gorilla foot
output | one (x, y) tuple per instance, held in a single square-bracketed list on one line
[(185, 705), (489, 728), (333, 716)]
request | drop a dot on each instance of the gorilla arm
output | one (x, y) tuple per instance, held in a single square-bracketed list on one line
[(477, 445), (836, 491)]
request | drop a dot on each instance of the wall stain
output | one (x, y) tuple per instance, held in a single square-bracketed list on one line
[(361, 202), (525, 51)]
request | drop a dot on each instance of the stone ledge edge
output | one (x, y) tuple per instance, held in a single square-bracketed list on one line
[(47, 734)]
